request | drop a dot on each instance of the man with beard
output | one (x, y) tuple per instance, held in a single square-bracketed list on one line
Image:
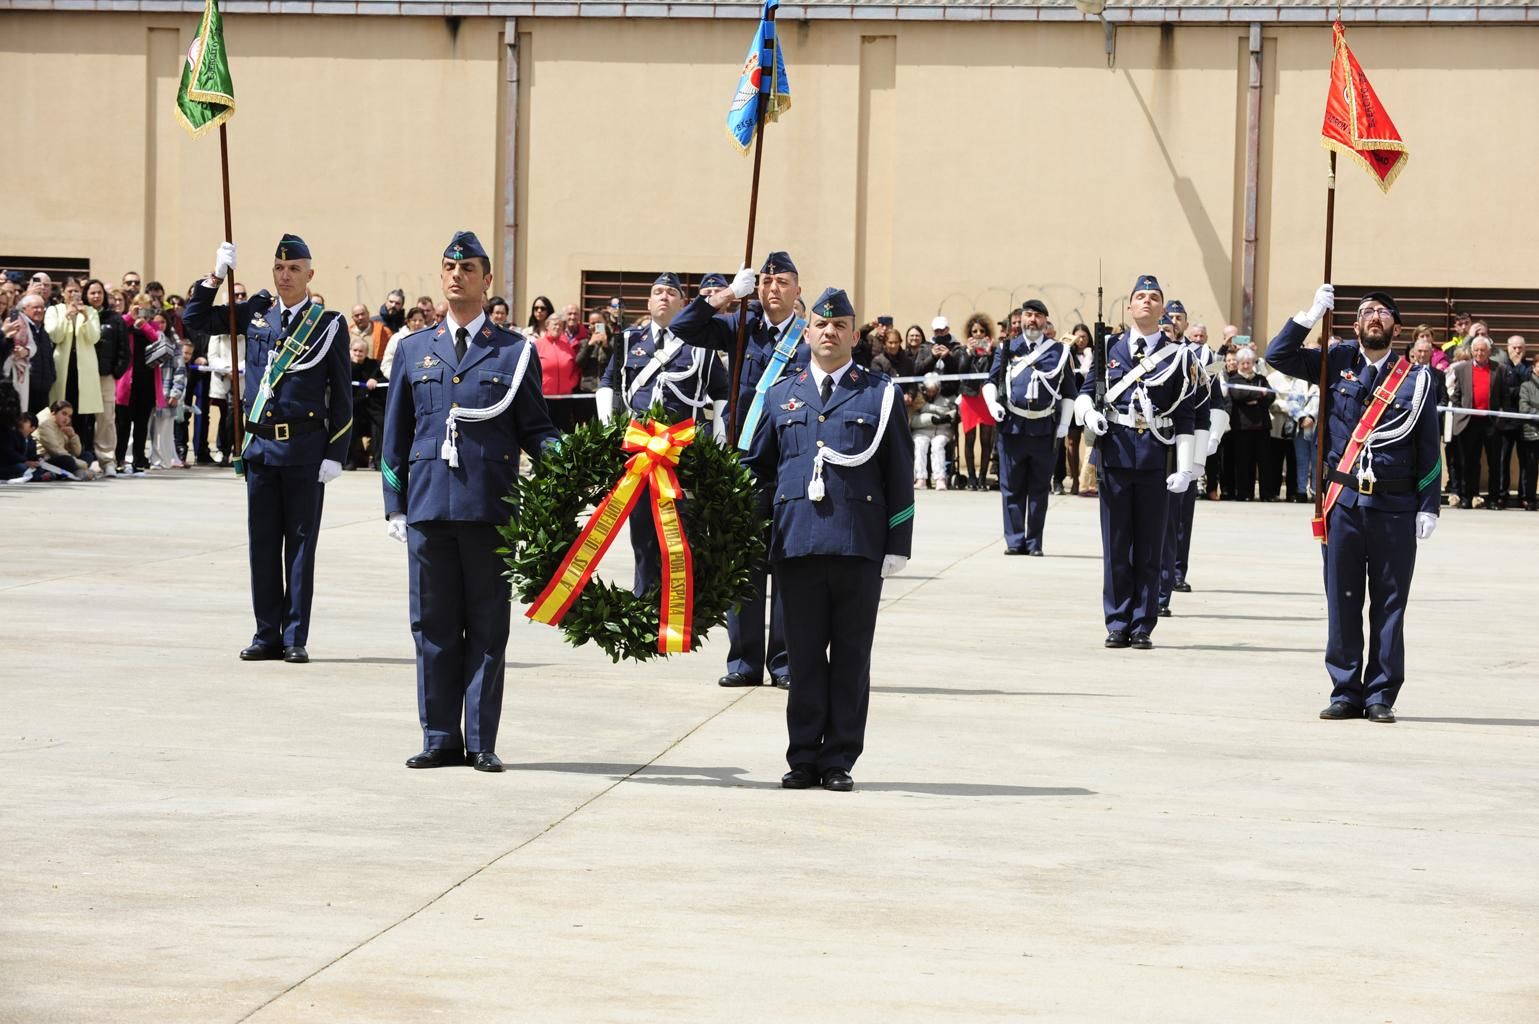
[(1030, 394), (1382, 494), (1211, 422)]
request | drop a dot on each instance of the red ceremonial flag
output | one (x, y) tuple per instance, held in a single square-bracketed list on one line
[(1356, 123)]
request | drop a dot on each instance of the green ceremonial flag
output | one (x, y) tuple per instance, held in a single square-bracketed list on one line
[(206, 97)]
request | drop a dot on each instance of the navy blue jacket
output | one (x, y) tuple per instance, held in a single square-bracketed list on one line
[(427, 380), (867, 511), (699, 324), (1055, 371), (637, 349), (1412, 466), (323, 391), (1176, 396)]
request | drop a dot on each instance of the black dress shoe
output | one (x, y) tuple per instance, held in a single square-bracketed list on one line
[(736, 679), (837, 780), (781, 682), (437, 757), (1164, 611), (1035, 554), (296, 655), (804, 777), (1184, 587), (261, 652), (1015, 551), (1379, 713), (1340, 710), (483, 760), (1141, 642), (1116, 638)]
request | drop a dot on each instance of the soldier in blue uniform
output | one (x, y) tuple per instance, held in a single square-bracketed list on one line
[(1146, 449), (1030, 394), (649, 365), (298, 403), (712, 283), (464, 400), (704, 323), (834, 458), (1183, 506), (1389, 495)]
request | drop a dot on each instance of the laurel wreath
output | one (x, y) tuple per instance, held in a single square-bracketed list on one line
[(721, 520)]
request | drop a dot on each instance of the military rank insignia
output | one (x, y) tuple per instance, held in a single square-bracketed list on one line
[(854, 375)]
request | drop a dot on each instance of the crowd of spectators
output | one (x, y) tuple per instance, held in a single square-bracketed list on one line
[(104, 380)]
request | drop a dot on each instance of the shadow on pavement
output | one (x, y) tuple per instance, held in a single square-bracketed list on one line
[(409, 661), (1238, 648), (1473, 721), (733, 778), (941, 691), (1251, 618)]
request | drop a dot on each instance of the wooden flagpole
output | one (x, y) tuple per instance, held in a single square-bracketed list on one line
[(238, 434)]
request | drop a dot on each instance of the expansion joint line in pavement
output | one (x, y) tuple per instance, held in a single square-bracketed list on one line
[(503, 855)]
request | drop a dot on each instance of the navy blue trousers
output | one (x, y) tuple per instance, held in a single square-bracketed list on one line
[(283, 524), (1134, 508), (830, 607), (1371, 553), (746, 650), (1178, 540), (1025, 484), (460, 607)]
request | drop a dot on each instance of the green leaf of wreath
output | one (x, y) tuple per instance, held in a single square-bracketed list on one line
[(721, 518)]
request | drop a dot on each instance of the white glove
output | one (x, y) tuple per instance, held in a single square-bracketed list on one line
[(744, 283), (1218, 426), (1200, 451), (893, 564), (1325, 301), (604, 398), (1065, 417), (991, 399), (395, 527), (719, 421), (1186, 457), (1426, 522), (330, 470), (224, 259)]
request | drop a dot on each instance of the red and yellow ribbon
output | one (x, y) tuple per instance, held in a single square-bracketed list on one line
[(657, 449)]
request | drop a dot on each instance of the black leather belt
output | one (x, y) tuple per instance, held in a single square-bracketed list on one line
[(284, 431), (1372, 486)]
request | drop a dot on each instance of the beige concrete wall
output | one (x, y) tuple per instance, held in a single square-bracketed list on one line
[(373, 138), (926, 167)]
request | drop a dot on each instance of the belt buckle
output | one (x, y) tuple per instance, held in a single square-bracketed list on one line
[(1364, 486), (1141, 423), (281, 432)]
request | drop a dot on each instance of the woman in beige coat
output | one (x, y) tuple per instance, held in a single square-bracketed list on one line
[(75, 328)]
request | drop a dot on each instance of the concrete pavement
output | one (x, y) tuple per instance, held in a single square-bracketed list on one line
[(1041, 829)]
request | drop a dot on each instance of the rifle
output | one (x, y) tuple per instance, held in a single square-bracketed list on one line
[(1102, 339)]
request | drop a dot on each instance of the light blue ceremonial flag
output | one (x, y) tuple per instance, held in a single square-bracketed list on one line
[(763, 52)]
